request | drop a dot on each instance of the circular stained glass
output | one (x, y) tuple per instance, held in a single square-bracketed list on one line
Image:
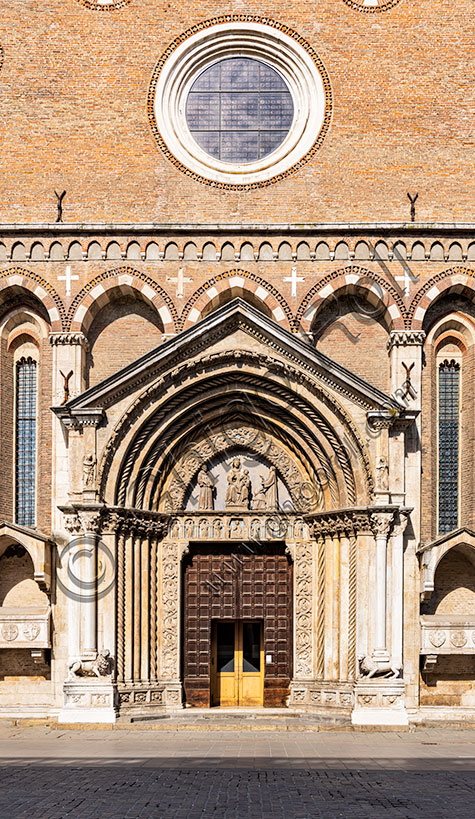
[(239, 110)]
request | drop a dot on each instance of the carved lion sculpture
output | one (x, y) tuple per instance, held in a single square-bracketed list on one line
[(370, 668), (100, 667)]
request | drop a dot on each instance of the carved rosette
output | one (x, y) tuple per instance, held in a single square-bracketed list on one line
[(304, 558)]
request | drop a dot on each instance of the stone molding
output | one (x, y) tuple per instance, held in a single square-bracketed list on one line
[(335, 698), (89, 700)]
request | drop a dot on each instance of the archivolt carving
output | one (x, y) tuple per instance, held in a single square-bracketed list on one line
[(303, 610), (264, 364), (185, 470)]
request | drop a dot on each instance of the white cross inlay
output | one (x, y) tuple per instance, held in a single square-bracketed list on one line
[(294, 279), (68, 278), (407, 278), (179, 281)]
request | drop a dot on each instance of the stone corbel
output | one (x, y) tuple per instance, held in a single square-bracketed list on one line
[(430, 663)]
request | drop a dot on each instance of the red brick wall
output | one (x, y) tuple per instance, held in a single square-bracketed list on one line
[(355, 340), (122, 332), (74, 84)]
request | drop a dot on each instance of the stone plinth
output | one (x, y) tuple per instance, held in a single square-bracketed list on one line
[(89, 700), (379, 702)]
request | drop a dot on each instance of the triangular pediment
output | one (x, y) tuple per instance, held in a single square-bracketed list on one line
[(250, 329)]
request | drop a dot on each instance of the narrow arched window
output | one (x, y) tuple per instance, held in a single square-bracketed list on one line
[(449, 444), (25, 441)]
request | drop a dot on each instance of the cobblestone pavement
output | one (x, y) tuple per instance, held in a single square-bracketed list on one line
[(230, 774)]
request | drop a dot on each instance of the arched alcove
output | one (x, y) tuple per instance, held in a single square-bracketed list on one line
[(122, 331)]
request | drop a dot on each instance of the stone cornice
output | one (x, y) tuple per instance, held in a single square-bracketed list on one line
[(219, 228), (77, 419), (97, 519), (352, 521)]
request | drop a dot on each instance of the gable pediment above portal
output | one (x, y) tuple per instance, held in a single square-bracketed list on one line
[(234, 336)]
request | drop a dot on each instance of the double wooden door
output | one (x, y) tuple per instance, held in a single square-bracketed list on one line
[(237, 663), (226, 583)]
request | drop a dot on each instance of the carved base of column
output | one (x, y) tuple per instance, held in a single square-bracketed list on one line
[(324, 697), (146, 698), (380, 702), (89, 700)]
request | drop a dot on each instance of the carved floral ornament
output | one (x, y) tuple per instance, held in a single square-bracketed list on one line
[(379, 521)]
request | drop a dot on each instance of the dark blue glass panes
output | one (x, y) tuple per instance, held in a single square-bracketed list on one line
[(25, 443), (239, 110), (449, 386)]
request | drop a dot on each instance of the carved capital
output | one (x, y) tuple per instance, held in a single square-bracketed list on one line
[(405, 338), (70, 339), (381, 523)]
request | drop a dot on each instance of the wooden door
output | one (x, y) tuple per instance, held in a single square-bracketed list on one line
[(224, 584), (237, 664)]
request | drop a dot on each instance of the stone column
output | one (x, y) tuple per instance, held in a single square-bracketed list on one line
[(381, 525), (91, 522), (396, 594)]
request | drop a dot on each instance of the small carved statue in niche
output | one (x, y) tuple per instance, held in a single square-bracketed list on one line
[(266, 497), (89, 469), (382, 475), (205, 482)]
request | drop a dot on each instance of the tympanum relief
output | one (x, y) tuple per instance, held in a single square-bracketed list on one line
[(242, 483)]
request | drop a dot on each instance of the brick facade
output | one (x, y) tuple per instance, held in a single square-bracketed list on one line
[(326, 253)]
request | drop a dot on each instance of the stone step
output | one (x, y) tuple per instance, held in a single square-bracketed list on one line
[(239, 719)]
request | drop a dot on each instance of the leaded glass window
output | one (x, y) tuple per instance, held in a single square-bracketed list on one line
[(25, 443), (239, 110), (449, 399)]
